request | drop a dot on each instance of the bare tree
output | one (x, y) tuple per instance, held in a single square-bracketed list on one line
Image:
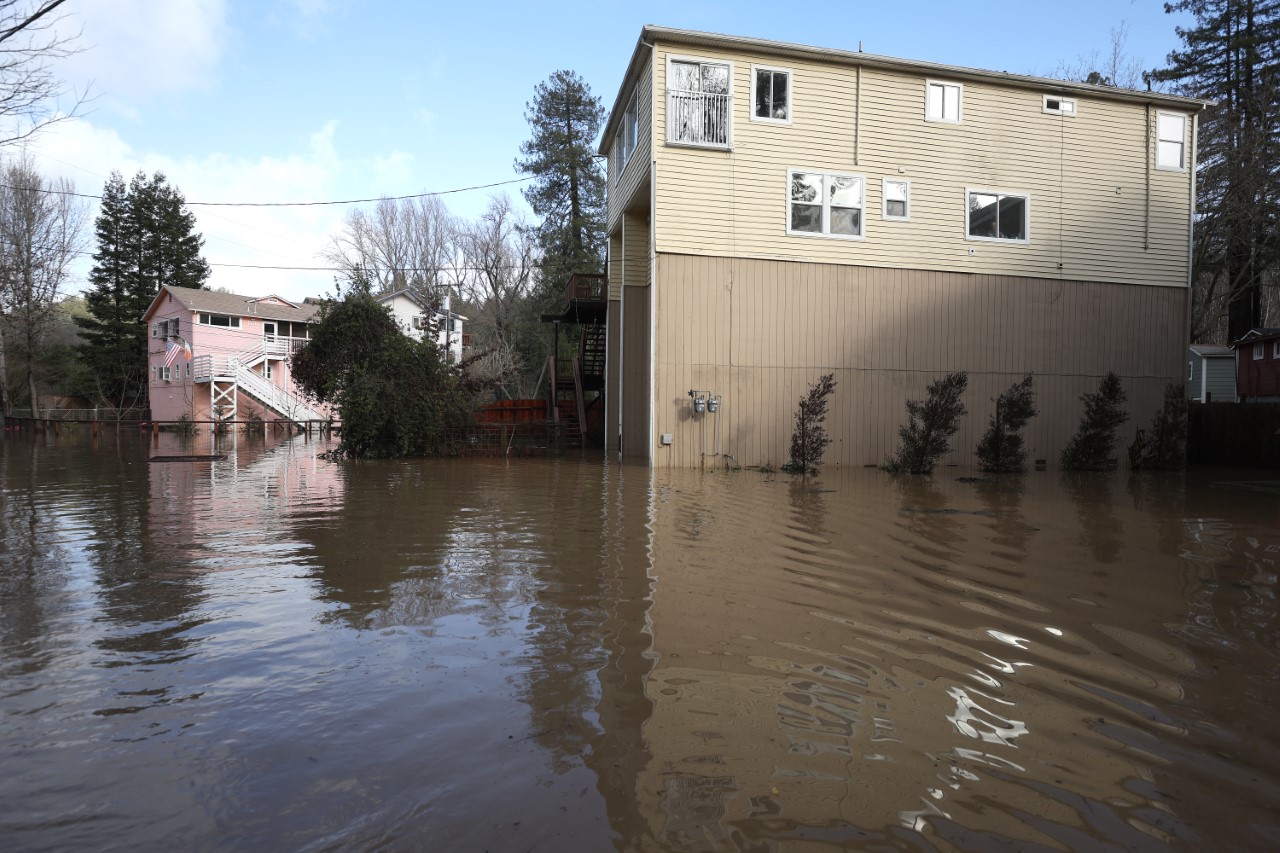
[(30, 41), (499, 260), (1111, 67), (400, 244), (42, 230)]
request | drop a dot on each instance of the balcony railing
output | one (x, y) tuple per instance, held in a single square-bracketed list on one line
[(593, 288), (698, 118)]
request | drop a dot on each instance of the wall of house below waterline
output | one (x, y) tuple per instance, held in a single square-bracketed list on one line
[(171, 400), (758, 332)]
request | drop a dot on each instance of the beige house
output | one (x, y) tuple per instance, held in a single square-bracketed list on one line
[(777, 212)]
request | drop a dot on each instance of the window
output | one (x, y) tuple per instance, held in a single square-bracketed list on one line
[(1171, 142), (164, 328), (824, 203), (1057, 105), (896, 204), (699, 104), (942, 101), (1275, 349), (628, 134), (267, 370), (219, 320), (997, 216), (1258, 351), (770, 94)]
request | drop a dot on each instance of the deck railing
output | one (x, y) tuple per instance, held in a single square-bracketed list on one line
[(698, 118), (590, 288)]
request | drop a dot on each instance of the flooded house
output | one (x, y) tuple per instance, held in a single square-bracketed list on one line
[(214, 355), (778, 211)]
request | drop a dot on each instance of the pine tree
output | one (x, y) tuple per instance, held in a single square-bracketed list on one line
[(809, 440), (1232, 56), (1166, 449), (569, 181), (930, 425), (1093, 446), (146, 239), (1001, 448)]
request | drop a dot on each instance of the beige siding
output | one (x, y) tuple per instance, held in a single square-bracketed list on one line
[(1088, 178), (636, 254), (757, 332), (623, 187), (615, 264), (637, 357)]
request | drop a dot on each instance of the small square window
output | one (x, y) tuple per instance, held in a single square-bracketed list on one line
[(1171, 142), (897, 203), (770, 94), (942, 101), (1058, 105)]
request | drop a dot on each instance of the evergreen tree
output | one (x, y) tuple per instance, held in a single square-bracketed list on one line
[(1166, 450), (1232, 56), (1093, 446), (146, 239), (809, 440), (930, 425), (1001, 448), (569, 181)]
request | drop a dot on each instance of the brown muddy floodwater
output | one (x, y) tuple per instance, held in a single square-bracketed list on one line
[(276, 652)]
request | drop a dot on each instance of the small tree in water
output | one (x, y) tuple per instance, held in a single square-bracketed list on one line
[(930, 425), (1166, 449), (1093, 446), (809, 440), (1001, 449)]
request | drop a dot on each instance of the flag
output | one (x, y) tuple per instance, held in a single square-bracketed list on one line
[(171, 353), (186, 350)]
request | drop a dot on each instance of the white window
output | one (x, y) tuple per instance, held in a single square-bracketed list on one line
[(1059, 106), (1000, 216), (699, 103), (1258, 351), (942, 101), (1171, 141), (897, 199), (824, 203), (628, 134), (267, 370), (1275, 349), (219, 320), (419, 322), (770, 94)]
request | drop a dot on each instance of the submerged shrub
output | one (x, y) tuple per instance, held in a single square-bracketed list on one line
[(1165, 449), (1092, 448), (1001, 448), (809, 440), (930, 425)]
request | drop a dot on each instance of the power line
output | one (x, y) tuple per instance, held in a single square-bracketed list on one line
[(299, 203)]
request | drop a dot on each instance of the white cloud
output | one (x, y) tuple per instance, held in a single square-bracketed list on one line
[(139, 48)]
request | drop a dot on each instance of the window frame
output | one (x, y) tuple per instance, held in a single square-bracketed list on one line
[(1259, 351), (884, 200), (959, 87), (1061, 99), (628, 138), (1026, 196), (826, 205), (673, 58), (1275, 348), (1182, 142), (205, 318), (791, 78)]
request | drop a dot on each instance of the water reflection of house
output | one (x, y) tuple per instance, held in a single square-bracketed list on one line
[(778, 211), (221, 355)]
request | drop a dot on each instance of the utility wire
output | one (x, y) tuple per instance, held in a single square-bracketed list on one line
[(299, 203)]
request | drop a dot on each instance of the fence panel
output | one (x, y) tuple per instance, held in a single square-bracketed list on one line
[(1243, 434)]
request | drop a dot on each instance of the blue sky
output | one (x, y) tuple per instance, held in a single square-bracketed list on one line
[(313, 100)]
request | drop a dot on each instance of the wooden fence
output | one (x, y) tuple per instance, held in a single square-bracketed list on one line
[(1244, 434)]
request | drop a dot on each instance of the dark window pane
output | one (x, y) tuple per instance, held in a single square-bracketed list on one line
[(764, 97), (982, 215), (806, 217), (896, 208), (846, 220), (1013, 217), (780, 81)]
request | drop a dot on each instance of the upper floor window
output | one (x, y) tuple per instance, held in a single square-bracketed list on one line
[(165, 328), (628, 134), (896, 204), (1259, 350), (1058, 105), (1171, 141), (699, 103), (825, 203), (997, 216), (219, 320), (942, 101), (771, 94)]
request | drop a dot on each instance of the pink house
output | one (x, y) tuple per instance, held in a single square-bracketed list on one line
[(218, 355)]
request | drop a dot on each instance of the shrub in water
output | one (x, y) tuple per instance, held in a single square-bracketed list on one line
[(1166, 447), (930, 425), (1001, 448), (1092, 448), (809, 440)]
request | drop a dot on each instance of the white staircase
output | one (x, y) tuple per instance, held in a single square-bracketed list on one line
[(235, 371)]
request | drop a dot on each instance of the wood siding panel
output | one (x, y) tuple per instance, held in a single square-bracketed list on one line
[(1087, 177), (623, 187), (636, 391), (758, 332)]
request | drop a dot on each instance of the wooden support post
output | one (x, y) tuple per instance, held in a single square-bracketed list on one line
[(95, 429)]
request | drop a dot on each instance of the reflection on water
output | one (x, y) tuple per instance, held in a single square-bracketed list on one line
[(271, 650)]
